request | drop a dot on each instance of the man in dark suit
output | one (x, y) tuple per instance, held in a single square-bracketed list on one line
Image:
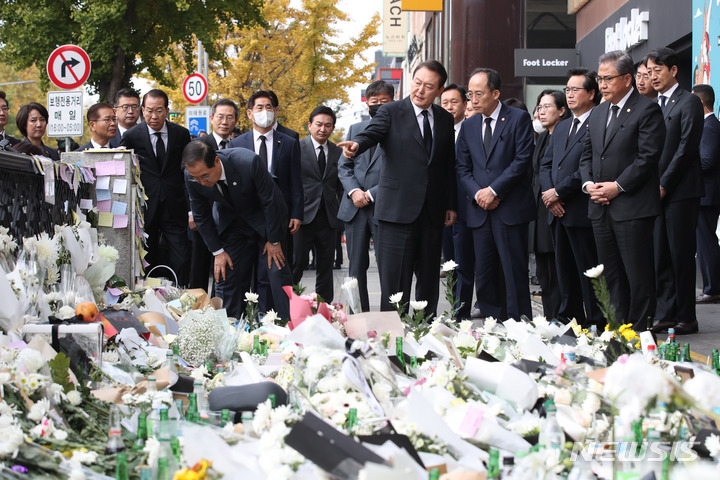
[(4, 108), (281, 155), (417, 190), (127, 109), (276, 126), (618, 169), (223, 118), (239, 212), (103, 126), (708, 250), (494, 165), (319, 159), (681, 187), (359, 177), (573, 239), (159, 144)]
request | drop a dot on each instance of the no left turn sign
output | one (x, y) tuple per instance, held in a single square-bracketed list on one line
[(68, 66)]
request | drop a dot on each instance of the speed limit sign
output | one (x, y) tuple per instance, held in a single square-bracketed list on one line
[(195, 88)]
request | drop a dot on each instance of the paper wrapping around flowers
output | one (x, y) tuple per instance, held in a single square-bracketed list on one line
[(359, 325), (503, 380), (486, 430), (301, 308), (114, 395)]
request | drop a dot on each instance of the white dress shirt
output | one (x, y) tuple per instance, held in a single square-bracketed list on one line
[(421, 119), (153, 137), (219, 139), (457, 128)]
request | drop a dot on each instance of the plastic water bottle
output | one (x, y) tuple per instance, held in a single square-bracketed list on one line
[(551, 434)]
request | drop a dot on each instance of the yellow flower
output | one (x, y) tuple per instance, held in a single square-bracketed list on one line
[(197, 472)]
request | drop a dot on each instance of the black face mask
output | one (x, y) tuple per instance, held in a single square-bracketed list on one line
[(373, 109)]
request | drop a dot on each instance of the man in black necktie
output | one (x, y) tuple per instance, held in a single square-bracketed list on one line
[(243, 217), (494, 168), (618, 169), (280, 155), (417, 189), (103, 126), (223, 118), (319, 159), (573, 239), (4, 108), (681, 187), (159, 145)]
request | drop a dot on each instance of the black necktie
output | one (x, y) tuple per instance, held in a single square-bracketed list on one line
[(613, 121), (225, 190), (573, 131), (427, 132), (263, 151), (160, 149), (487, 137), (321, 160), (663, 99), (223, 144)]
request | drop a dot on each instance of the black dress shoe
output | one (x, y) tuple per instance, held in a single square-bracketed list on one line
[(705, 298), (686, 328), (659, 326)]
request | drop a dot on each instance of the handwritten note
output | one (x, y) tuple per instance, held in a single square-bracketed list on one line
[(103, 195), (104, 206), (120, 186), (120, 221), (105, 219), (119, 208), (105, 168), (103, 183)]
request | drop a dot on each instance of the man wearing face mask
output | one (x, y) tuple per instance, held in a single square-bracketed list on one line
[(281, 156), (359, 177)]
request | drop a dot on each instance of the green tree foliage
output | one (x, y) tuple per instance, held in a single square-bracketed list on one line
[(122, 37)]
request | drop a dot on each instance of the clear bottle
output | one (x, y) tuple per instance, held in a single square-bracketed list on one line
[(202, 401), (671, 336), (651, 351), (247, 423), (551, 434), (594, 331), (114, 443)]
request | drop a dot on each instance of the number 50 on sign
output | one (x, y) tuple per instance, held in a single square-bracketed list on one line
[(195, 88)]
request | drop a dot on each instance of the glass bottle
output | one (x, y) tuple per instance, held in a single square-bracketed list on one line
[(594, 331), (121, 466), (399, 352), (191, 414), (114, 443), (142, 435), (224, 417), (351, 421), (163, 469), (256, 345), (271, 397), (201, 397), (551, 434), (434, 474), (263, 348), (716, 361), (494, 465), (671, 335)]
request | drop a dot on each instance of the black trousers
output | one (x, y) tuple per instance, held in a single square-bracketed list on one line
[(626, 250), (465, 272), (404, 249), (168, 244), (320, 234), (708, 250)]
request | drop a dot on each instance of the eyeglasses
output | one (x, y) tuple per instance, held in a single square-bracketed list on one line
[(471, 95), (204, 178), (159, 112), (106, 120), (222, 118), (545, 106), (607, 78), (127, 107), (573, 90)]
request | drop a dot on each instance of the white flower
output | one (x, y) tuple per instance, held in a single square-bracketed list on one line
[(74, 397), (65, 312), (591, 404), (595, 272), (109, 253), (251, 297), (491, 344), (87, 457), (563, 396), (464, 340), (396, 298), (704, 387), (449, 266), (270, 317), (418, 305), (152, 448), (350, 283), (76, 473), (111, 357), (4, 377), (466, 326), (712, 443), (489, 324), (38, 411), (31, 359), (60, 434), (12, 437)]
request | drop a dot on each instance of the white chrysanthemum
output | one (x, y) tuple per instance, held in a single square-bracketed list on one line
[(491, 344), (39, 410), (47, 250), (466, 326), (351, 283), (465, 340), (88, 457), (12, 437), (251, 297), (31, 359), (595, 272), (704, 387), (152, 448), (396, 298), (53, 274), (563, 396), (418, 305), (489, 324), (712, 443), (108, 253), (591, 404), (270, 317), (449, 266), (74, 397), (65, 312), (111, 357)]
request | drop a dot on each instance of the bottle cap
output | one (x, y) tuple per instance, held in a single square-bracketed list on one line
[(651, 347)]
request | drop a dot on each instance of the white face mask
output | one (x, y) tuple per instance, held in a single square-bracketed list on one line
[(264, 119), (538, 126)]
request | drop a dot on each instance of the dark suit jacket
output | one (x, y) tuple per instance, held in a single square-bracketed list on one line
[(13, 141), (409, 177), (162, 182), (629, 156), (49, 152), (319, 185), (360, 172), (210, 140), (507, 170), (256, 200), (710, 160), (679, 167), (284, 167), (560, 170), (540, 234), (288, 131)]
